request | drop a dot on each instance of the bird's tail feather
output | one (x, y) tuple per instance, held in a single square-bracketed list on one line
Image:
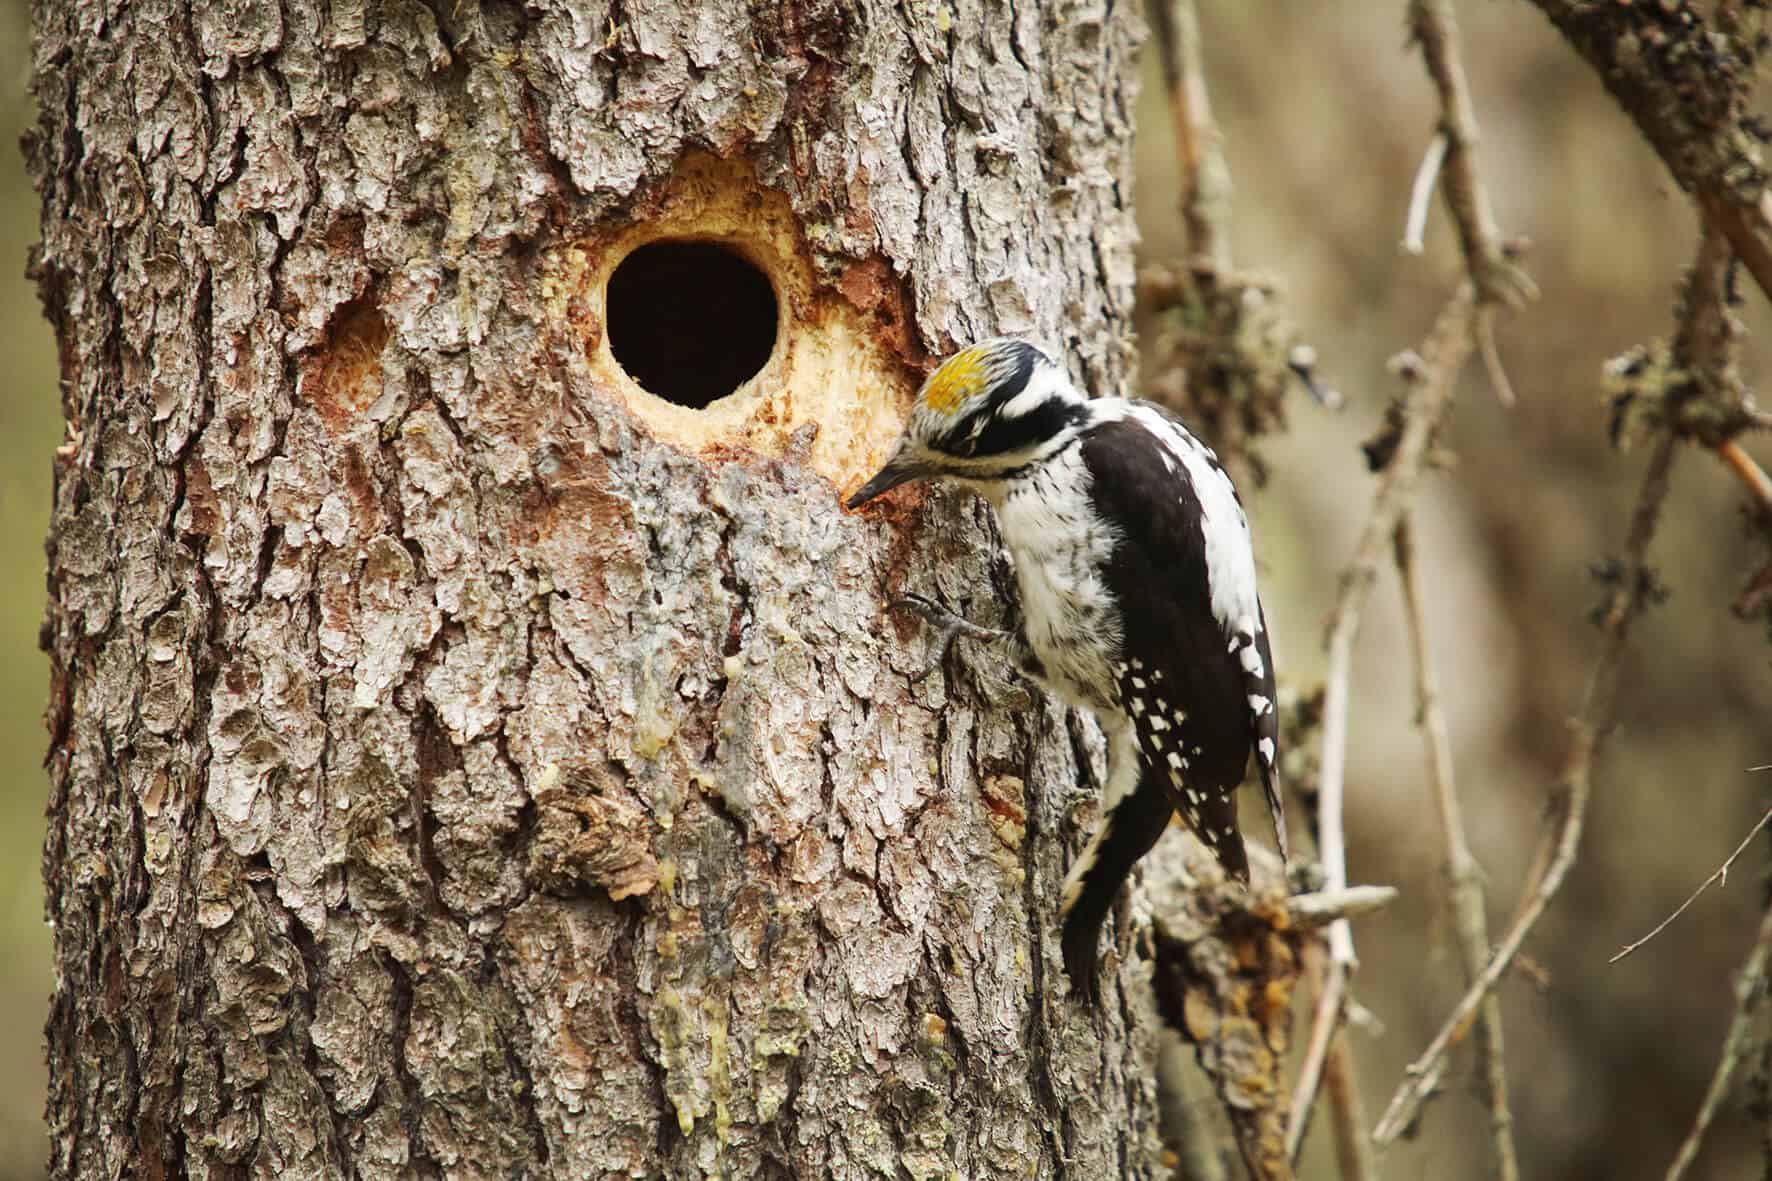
[(1126, 834), (1276, 807)]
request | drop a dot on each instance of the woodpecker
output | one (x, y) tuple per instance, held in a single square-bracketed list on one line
[(1138, 601)]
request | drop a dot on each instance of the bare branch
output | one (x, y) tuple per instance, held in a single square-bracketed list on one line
[(1497, 278), (1326, 1016), (1353, 1150), (1721, 875), (1750, 993), (1463, 876), (1421, 194), (1491, 354), (1326, 906), (1429, 379), (1569, 797), (1752, 476), (1205, 179)]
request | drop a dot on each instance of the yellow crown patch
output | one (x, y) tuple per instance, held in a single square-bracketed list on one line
[(959, 377)]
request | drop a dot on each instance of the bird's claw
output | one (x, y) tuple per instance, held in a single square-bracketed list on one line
[(928, 609), (950, 628)]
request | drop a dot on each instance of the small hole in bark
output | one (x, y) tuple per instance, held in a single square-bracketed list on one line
[(690, 321)]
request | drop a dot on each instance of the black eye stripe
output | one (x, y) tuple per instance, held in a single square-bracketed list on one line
[(1043, 422)]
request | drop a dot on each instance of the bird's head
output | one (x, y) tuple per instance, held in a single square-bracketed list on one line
[(990, 410)]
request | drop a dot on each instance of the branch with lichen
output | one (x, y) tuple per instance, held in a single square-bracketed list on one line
[(1223, 351), (1684, 82), (1687, 84), (1750, 997), (1205, 179), (1227, 963)]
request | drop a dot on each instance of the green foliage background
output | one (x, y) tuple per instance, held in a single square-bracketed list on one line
[(1326, 113)]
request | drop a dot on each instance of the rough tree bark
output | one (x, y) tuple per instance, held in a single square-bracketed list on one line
[(466, 764)]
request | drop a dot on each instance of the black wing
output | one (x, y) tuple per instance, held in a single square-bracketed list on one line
[(1186, 684), (1264, 710)]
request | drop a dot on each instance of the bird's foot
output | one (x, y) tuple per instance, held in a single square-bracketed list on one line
[(949, 627)]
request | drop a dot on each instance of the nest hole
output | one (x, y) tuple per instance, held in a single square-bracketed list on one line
[(690, 321)]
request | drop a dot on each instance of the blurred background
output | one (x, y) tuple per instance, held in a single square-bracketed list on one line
[(30, 428), (1325, 119)]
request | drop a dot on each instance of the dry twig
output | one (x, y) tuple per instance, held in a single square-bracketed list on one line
[(1421, 194), (1750, 994), (1430, 378), (1353, 1151), (1220, 347), (1327, 1010), (1752, 476), (1721, 875), (1569, 797), (1464, 324), (1464, 877), (1325, 907), (1499, 281), (1205, 178)]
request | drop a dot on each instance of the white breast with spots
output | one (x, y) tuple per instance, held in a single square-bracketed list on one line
[(1059, 547)]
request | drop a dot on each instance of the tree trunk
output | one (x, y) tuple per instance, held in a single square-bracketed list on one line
[(466, 761)]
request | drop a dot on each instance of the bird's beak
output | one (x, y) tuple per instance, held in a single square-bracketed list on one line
[(902, 468)]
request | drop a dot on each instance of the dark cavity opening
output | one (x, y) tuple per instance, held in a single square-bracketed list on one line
[(690, 321)]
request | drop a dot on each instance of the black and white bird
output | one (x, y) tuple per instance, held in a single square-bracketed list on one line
[(1138, 600)]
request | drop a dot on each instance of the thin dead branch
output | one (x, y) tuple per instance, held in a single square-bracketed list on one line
[(1205, 178), (1721, 875), (1752, 476), (1421, 194), (1347, 1118), (1491, 354), (1327, 1010), (1429, 377), (1221, 349), (1324, 907), (1498, 279), (1464, 878), (1500, 282), (1569, 796), (1353, 1151), (1750, 994)]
